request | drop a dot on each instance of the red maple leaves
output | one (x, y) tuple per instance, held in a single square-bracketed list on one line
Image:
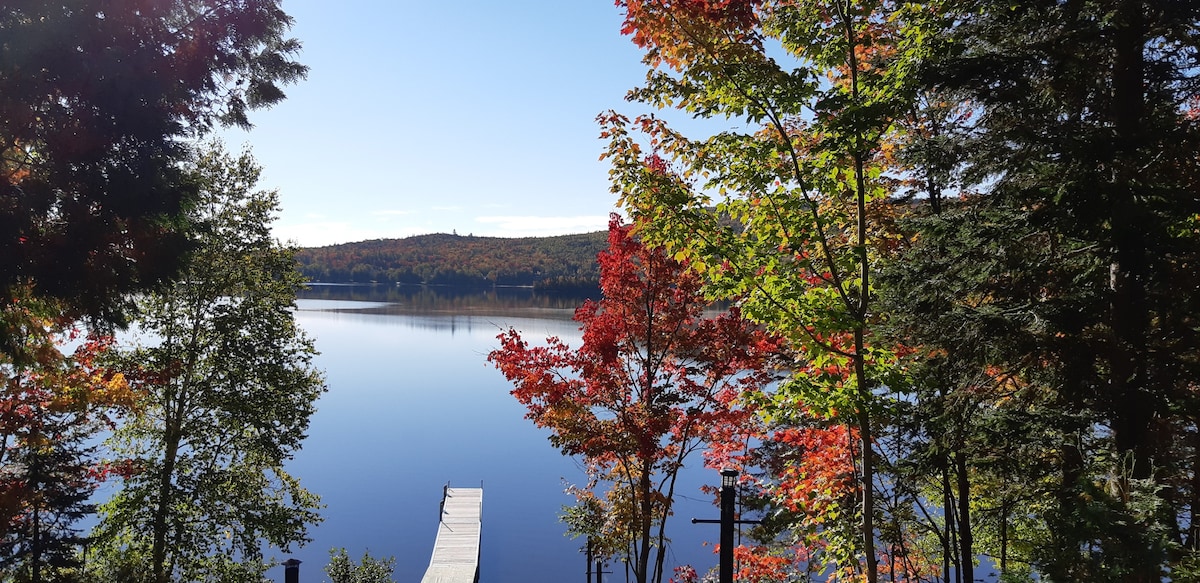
[(656, 379), (653, 372)]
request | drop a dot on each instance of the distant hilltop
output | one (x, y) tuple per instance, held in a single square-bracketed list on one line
[(562, 262)]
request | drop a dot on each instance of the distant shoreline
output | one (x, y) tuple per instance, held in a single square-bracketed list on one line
[(551, 263)]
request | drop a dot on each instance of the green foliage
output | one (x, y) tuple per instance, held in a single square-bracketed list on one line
[(229, 389), (1067, 276), (801, 189), (342, 569), (975, 222), (588, 519), (562, 262)]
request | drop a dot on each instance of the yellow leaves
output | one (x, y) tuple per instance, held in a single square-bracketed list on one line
[(976, 300), (78, 392), (116, 392), (116, 382)]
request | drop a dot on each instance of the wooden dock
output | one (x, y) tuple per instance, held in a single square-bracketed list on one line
[(456, 551)]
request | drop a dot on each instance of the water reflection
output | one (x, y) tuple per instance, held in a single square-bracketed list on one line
[(486, 322), (407, 299), (413, 404)]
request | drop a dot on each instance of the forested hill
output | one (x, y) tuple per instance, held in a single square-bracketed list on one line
[(551, 262)]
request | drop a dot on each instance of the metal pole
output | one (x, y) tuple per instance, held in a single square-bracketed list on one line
[(728, 493), (588, 558)]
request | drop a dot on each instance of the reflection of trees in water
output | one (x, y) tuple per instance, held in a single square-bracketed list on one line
[(413, 298)]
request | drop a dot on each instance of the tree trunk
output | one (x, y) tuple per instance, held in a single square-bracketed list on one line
[(35, 546), (965, 538), (868, 460), (642, 570), (947, 538), (861, 311), (1129, 270), (949, 555), (171, 438), (1134, 406), (660, 558)]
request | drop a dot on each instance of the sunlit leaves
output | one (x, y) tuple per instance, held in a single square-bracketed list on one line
[(655, 380), (230, 388), (789, 213), (342, 569)]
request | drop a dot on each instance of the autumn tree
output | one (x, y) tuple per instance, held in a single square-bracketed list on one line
[(99, 100), (1041, 158), (792, 212), (54, 408), (229, 388), (654, 381)]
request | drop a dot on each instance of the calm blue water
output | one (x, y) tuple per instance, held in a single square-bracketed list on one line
[(413, 404)]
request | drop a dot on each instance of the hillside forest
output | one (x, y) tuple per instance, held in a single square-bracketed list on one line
[(562, 262)]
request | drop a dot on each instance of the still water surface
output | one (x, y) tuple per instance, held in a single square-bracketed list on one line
[(413, 405)]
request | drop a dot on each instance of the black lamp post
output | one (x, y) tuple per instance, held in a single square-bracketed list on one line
[(587, 560), (291, 571), (728, 510), (727, 522)]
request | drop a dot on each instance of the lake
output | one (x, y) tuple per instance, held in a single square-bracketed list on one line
[(413, 405)]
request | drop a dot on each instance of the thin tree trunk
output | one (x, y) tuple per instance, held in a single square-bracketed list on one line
[(1003, 538), (861, 312), (1133, 407), (669, 497), (35, 555), (647, 505), (1066, 566), (868, 461), (1129, 269), (965, 537), (949, 541), (172, 422), (159, 549)]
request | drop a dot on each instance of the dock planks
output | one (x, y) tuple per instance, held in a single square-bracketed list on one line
[(456, 551)]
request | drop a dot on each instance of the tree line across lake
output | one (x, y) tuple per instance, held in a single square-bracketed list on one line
[(562, 262)]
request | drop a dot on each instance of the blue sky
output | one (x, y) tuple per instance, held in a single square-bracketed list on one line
[(423, 117)]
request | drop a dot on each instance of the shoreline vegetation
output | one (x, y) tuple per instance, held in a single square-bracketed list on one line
[(565, 263)]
